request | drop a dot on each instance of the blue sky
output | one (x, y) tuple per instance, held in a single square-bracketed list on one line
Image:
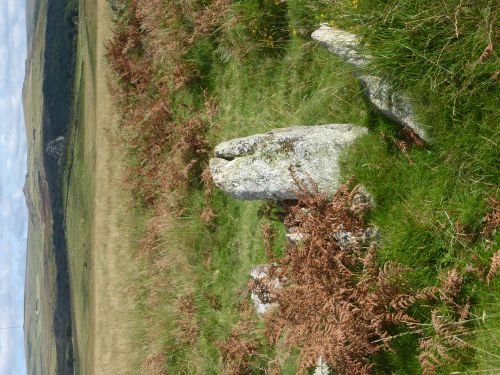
[(13, 213)]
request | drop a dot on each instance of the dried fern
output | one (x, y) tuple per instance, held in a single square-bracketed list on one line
[(494, 267), (442, 348), (338, 302)]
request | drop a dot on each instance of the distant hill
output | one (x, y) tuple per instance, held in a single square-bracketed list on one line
[(32, 12), (47, 106)]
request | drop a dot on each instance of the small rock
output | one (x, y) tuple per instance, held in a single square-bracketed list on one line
[(294, 235), (362, 201), (345, 239), (349, 241), (294, 238), (262, 289), (262, 166), (321, 367)]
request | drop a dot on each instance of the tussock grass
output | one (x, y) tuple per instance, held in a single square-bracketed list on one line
[(431, 211)]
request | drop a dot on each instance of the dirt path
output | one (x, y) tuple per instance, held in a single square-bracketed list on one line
[(113, 347)]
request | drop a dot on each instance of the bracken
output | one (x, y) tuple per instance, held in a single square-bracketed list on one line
[(337, 304)]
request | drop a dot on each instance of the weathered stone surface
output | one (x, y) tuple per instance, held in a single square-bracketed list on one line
[(321, 367), (261, 166), (262, 289), (391, 104), (294, 237), (343, 44), (380, 92), (362, 201), (350, 241)]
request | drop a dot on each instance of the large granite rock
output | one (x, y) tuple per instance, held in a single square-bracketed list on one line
[(379, 91), (263, 166)]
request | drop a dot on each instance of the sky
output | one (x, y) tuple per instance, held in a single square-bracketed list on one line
[(13, 212)]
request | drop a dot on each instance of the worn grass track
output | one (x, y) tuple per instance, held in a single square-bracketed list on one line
[(97, 213)]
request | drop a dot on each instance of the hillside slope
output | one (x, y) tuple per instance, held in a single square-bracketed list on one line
[(46, 102)]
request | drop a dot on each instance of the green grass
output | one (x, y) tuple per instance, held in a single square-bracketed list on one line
[(260, 86), (420, 206), (79, 196), (449, 182), (78, 192), (254, 95)]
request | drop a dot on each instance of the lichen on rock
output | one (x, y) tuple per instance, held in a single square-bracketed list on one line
[(268, 166)]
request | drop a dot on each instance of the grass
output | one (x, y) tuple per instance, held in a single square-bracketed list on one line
[(255, 94), (431, 212), (38, 337), (79, 193), (96, 219), (263, 71)]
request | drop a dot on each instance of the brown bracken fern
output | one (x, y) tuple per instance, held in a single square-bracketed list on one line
[(337, 303), (165, 141), (241, 345), (148, 55), (492, 219), (494, 267), (439, 349)]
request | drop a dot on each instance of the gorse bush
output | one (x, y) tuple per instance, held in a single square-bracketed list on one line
[(267, 22)]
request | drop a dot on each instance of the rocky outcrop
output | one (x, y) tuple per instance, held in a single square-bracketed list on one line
[(55, 148), (380, 92), (268, 166)]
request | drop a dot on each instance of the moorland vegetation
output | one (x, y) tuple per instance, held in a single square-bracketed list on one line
[(190, 74)]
